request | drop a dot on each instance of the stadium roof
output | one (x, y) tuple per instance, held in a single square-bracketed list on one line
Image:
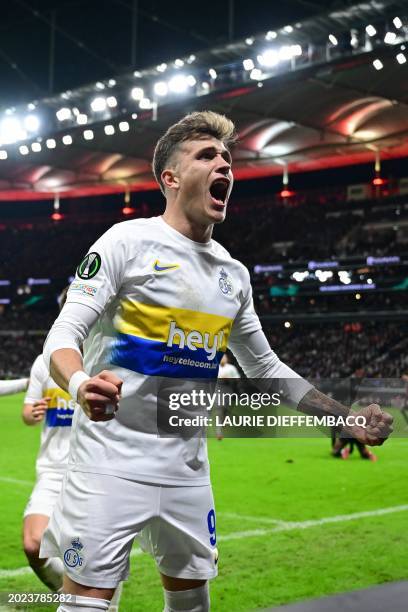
[(322, 115)]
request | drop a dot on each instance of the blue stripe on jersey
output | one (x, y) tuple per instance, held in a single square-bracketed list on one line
[(59, 417), (157, 359)]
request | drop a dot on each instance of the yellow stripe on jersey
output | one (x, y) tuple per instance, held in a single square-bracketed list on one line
[(153, 322), (55, 393)]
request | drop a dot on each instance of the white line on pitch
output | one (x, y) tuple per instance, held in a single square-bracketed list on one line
[(25, 483), (240, 535), (252, 519)]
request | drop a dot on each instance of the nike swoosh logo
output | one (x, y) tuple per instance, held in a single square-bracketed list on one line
[(159, 268)]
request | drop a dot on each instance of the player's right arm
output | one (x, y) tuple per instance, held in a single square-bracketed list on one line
[(87, 297)]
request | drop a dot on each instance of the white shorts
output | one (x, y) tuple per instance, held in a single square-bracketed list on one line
[(45, 493), (97, 518)]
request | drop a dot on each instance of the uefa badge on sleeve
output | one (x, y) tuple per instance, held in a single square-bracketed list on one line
[(89, 266)]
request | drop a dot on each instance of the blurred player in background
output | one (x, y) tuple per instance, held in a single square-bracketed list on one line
[(47, 403), (157, 299), (343, 448), (9, 387), (227, 372)]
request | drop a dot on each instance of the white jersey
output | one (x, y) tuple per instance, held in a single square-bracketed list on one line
[(54, 447), (228, 371), (167, 308)]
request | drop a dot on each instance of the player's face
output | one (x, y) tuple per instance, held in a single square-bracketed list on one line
[(205, 180)]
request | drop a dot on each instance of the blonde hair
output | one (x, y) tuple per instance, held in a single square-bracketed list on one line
[(192, 127)]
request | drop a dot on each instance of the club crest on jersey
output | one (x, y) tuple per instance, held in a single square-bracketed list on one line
[(72, 558), (225, 283)]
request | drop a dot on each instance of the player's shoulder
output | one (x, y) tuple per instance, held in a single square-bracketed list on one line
[(39, 368), (126, 237), (239, 268)]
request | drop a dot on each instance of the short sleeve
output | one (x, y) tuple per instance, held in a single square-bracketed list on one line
[(38, 377), (99, 275)]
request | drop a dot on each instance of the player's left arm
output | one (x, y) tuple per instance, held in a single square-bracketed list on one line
[(258, 361)]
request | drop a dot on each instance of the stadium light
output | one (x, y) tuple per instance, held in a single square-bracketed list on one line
[(82, 119), (11, 130), (397, 22), (248, 64), (3, 154), (333, 40), (161, 88), (378, 65), (124, 126), (111, 101), (111, 83), (269, 58), (286, 193), (401, 59), (31, 106), (358, 296), (137, 93), (99, 85), (31, 123), (109, 130), (371, 31), (50, 143), (288, 29), (178, 84), (378, 181), (161, 67), (63, 113), (213, 73), (256, 74), (36, 147), (191, 58), (249, 41), (67, 139), (390, 38), (98, 104), (88, 134), (287, 324), (145, 103), (270, 35), (344, 277), (179, 63), (24, 150)]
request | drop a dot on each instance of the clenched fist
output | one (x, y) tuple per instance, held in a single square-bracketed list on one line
[(378, 426), (99, 396)]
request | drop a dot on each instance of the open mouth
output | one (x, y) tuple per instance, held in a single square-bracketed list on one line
[(219, 190)]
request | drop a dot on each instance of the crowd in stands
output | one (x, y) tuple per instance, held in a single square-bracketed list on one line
[(256, 231)]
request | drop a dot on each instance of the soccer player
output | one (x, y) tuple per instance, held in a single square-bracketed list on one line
[(9, 387), (157, 300), (46, 403)]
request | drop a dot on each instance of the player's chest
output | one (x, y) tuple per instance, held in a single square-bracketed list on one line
[(193, 281)]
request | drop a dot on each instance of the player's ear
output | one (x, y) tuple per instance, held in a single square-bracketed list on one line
[(170, 179)]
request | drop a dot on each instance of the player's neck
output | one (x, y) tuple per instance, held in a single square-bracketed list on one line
[(187, 227)]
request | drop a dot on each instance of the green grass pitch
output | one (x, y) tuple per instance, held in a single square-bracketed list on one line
[(256, 482)]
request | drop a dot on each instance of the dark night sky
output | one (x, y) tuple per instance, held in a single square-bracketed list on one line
[(165, 30)]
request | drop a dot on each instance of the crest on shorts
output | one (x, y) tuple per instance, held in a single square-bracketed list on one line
[(72, 558), (225, 283)]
